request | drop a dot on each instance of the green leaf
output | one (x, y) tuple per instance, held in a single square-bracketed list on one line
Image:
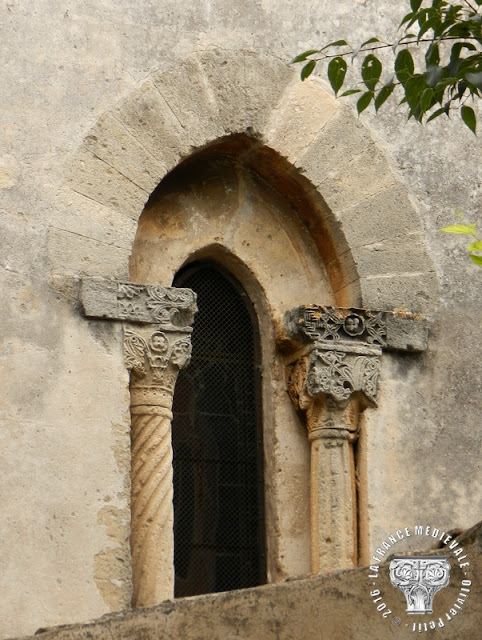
[(302, 56), (371, 71), (457, 49), (431, 23), (475, 246), (404, 66), (476, 259), (437, 113), (469, 117), (414, 88), (415, 4), (371, 41), (432, 56), (337, 43), (364, 101), (406, 18), (384, 93), (308, 69), (350, 92), (461, 229), (426, 100), (336, 73)]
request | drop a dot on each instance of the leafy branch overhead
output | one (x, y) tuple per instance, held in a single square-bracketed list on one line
[(449, 77), (474, 248)]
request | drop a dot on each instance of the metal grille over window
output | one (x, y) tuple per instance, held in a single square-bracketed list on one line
[(218, 480)]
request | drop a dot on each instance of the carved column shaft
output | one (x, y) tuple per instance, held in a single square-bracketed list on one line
[(333, 495), (156, 345)]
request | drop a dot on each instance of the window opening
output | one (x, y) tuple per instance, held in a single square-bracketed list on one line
[(219, 539)]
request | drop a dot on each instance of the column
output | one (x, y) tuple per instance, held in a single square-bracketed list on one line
[(331, 385), (157, 344), (333, 364)]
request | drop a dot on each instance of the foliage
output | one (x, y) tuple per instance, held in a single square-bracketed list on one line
[(449, 35), (474, 248)]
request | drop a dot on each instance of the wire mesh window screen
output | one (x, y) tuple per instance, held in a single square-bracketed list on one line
[(218, 477)]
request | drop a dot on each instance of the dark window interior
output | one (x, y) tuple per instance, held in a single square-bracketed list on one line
[(219, 542)]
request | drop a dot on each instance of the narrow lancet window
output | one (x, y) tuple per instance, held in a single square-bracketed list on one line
[(219, 539)]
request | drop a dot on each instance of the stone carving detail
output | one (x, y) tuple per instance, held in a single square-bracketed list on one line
[(339, 374), (336, 372), (151, 498), (165, 306), (331, 382), (330, 324), (169, 308), (419, 578), (153, 355)]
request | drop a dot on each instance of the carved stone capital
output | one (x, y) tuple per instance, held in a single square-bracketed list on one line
[(154, 358), (170, 308), (329, 381)]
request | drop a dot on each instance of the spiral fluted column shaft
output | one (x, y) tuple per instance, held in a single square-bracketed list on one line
[(152, 541)]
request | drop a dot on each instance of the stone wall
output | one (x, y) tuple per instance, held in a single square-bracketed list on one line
[(70, 209), (331, 607)]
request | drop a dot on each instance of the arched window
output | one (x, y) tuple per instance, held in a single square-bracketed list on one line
[(219, 537)]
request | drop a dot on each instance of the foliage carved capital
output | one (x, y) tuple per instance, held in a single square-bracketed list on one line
[(154, 359)]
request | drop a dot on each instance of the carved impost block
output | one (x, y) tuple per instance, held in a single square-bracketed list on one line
[(170, 308), (393, 330)]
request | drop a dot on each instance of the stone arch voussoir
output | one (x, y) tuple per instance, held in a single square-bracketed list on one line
[(222, 93)]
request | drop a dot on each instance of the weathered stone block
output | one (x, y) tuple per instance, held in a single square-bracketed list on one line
[(265, 81), (392, 256), (362, 177), (110, 141), (417, 292), (97, 180), (192, 103), (385, 216), (406, 333), (71, 253), (150, 120), (326, 154), (305, 109)]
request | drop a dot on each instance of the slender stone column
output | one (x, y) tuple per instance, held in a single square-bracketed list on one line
[(156, 345), (331, 386), (331, 380)]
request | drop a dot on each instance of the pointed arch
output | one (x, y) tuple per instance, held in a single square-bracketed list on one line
[(374, 247)]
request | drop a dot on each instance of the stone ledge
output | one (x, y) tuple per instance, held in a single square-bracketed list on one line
[(329, 607)]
